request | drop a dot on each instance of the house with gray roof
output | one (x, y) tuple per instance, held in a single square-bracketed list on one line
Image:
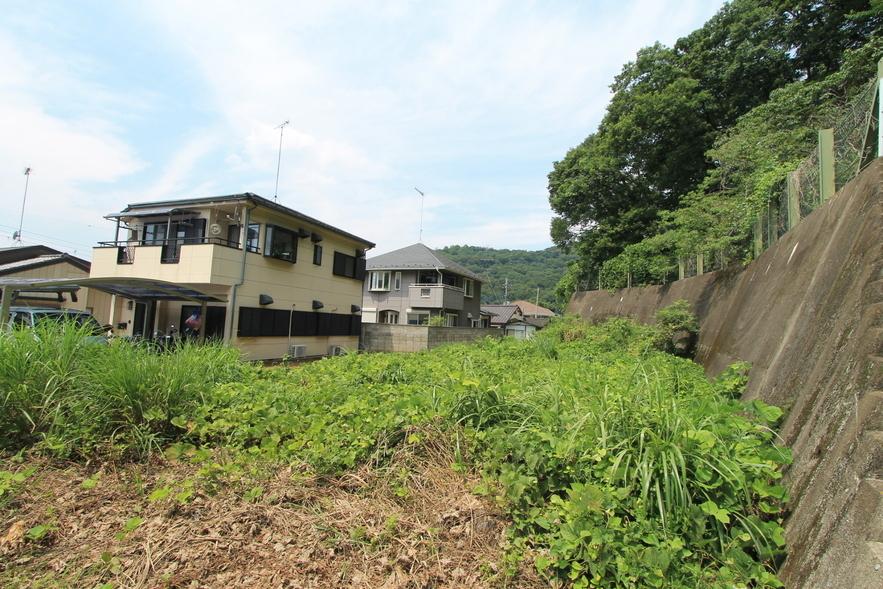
[(411, 285)]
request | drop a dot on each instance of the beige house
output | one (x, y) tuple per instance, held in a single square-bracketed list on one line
[(278, 282), (41, 262)]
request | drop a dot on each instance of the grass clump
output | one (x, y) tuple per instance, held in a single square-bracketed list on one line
[(70, 396)]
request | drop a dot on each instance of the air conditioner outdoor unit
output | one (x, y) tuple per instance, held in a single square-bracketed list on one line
[(297, 351), (336, 350)]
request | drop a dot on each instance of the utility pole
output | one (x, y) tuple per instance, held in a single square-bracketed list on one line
[(17, 235), (422, 198), (506, 291), (538, 302), (279, 160)]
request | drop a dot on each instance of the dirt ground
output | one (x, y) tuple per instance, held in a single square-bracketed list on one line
[(412, 523)]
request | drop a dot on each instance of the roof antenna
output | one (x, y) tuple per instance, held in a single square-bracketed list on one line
[(422, 198), (17, 235), (279, 160)]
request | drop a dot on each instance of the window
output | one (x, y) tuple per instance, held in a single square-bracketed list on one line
[(155, 233), (418, 318), (280, 243), (380, 280), (251, 240), (451, 319), (349, 266), (317, 254), (425, 293), (468, 287), (233, 235), (391, 317), (397, 281)]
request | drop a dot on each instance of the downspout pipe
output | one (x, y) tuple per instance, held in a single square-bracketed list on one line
[(231, 304)]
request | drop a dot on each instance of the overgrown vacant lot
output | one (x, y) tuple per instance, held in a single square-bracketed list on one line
[(586, 457)]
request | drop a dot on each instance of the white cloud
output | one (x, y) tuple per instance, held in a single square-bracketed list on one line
[(375, 95), (470, 101)]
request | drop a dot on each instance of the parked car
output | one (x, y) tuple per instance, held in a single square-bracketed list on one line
[(30, 317)]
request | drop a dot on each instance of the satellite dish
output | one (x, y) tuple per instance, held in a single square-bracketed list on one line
[(214, 229)]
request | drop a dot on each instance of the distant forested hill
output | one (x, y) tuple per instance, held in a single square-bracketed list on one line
[(526, 271)]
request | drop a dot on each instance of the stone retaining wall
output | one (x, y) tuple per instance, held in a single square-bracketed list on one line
[(808, 316)]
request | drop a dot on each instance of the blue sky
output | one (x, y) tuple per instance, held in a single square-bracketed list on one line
[(119, 102)]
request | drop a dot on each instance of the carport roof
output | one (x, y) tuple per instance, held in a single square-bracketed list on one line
[(130, 288)]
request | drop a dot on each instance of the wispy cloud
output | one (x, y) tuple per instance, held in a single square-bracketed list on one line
[(472, 102)]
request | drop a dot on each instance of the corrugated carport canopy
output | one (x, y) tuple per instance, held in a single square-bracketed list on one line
[(130, 288)]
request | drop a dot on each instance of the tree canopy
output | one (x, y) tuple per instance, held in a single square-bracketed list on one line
[(692, 131), (525, 270)]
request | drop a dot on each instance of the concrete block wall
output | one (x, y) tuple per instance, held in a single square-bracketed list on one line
[(380, 337)]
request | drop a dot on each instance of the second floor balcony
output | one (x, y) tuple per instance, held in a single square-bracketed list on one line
[(187, 260), (435, 296)]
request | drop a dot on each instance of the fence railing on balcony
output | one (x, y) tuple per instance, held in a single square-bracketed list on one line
[(171, 248)]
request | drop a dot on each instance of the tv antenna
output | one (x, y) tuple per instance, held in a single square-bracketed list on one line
[(279, 159), (17, 235), (422, 198)]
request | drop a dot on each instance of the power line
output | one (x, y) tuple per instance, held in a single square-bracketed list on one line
[(49, 237)]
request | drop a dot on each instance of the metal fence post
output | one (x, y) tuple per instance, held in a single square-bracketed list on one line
[(758, 236), (826, 164), (793, 201), (879, 108)]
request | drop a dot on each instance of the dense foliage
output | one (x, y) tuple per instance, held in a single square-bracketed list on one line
[(696, 134), (525, 270), (620, 465)]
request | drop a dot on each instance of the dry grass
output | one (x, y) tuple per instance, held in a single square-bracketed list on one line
[(411, 523)]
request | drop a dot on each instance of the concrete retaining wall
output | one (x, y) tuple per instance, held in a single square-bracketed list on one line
[(808, 315), (380, 337)]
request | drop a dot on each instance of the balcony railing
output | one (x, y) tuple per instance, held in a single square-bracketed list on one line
[(171, 248)]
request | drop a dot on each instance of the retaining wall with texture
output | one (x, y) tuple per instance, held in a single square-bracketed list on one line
[(382, 337), (808, 316)]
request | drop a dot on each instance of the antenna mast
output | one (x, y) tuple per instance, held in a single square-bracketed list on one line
[(279, 160), (422, 198), (17, 235)]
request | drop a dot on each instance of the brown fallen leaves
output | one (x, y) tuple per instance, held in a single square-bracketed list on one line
[(413, 523)]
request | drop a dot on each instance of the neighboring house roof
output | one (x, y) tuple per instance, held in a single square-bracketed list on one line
[(418, 257), (538, 322), (165, 207), (502, 314), (530, 309), (44, 260), (24, 252)]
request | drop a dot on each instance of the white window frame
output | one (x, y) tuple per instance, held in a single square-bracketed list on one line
[(425, 293), (468, 288), (397, 281), (380, 280), (451, 319), (387, 315)]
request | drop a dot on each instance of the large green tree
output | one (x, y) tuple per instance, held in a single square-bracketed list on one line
[(672, 105)]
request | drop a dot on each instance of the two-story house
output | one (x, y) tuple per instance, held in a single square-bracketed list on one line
[(410, 285), (283, 283)]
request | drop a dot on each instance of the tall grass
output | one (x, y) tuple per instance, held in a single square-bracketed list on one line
[(61, 390)]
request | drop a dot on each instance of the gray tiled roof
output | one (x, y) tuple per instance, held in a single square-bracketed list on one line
[(502, 313), (418, 257)]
